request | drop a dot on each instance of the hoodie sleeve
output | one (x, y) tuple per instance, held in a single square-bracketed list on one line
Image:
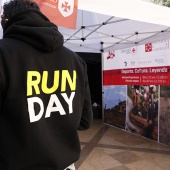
[(0, 91), (87, 113), (1, 80)]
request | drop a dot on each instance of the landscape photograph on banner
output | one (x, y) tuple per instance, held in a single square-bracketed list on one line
[(164, 115), (142, 110), (115, 105), (160, 2)]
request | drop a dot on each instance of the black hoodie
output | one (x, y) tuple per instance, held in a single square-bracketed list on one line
[(44, 96)]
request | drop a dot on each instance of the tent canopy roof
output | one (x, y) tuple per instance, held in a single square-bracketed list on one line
[(100, 33), (107, 25), (98, 30)]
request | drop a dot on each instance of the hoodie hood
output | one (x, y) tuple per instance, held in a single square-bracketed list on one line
[(34, 28)]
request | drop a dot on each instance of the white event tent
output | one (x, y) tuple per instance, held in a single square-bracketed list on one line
[(107, 25), (116, 24)]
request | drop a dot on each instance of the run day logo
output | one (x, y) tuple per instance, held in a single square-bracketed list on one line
[(37, 84), (66, 7), (110, 55)]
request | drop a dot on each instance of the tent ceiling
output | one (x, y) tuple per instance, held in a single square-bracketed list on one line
[(100, 33), (138, 10)]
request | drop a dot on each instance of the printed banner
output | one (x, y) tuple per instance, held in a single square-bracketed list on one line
[(61, 12), (115, 105), (145, 70), (144, 64), (142, 107), (138, 76)]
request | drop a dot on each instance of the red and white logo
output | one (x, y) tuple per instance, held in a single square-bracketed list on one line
[(66, 7), (60, 12), (133, 50), (111, 55), (148, 47)]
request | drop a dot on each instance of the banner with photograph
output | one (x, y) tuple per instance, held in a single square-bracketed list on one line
[(143, 74), (142, 110), (115, 105), (164, 115), (144, 64)]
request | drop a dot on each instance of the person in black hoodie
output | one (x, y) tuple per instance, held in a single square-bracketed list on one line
[(44, 93)]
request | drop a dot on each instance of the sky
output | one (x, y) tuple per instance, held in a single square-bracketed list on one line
[(113, 95)]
